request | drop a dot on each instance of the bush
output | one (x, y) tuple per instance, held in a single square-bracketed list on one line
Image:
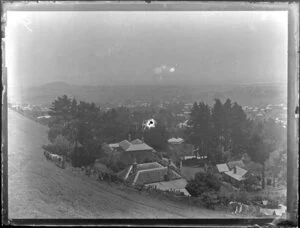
[(243, 197), (226, 197), (210, 199), (203, 182), (79, 160)]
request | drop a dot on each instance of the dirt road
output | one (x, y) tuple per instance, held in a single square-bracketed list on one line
[(39, 189)]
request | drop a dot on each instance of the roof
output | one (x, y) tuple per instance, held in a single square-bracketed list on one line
[(150, 165), (175, 140), (239, 175), (137, 147), (124, 144), (178, 184), (134, 145), (153, 175), (222, 168), (137, 141), (193, 157), (113, 145), (239, 163), (124, 174)]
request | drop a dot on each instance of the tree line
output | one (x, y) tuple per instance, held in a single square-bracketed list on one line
[(221, 132), (81, 127)]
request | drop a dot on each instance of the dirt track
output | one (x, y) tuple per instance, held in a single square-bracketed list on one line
[(39, 189)]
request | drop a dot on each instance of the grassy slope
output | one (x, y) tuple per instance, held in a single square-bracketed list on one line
[(39, 189)]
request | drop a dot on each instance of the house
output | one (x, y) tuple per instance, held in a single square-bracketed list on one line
[(136, 149), (175, 141), (155, 175), (237, 171), (131, 150), (235, 176)]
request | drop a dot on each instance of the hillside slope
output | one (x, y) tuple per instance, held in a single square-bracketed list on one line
[(39, 189)]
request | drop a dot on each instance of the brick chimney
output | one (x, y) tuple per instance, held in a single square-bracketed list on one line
[(134, 166), (129, 137), (234, 169)]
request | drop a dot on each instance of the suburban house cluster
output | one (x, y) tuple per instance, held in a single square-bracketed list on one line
[(144, 170), (163, 175)]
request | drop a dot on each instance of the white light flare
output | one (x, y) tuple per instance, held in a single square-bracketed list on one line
[(148, 124)]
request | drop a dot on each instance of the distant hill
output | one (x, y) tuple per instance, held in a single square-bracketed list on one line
[(116, 94)]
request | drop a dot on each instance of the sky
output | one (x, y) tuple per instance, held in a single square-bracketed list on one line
[(146, 47)]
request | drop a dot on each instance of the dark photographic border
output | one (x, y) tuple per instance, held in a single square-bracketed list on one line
[(293, 92)]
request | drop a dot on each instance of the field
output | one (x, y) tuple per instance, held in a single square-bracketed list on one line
[(39, 189)]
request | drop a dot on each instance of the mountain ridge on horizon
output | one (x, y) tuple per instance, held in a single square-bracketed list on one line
[(120, 94), (61, 83)]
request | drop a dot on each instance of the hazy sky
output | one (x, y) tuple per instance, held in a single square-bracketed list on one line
[(146, 47)]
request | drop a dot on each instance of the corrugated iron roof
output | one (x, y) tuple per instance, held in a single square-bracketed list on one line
[(178, 184), (222, 168), (239, 175), (175, 140), (150, 165), (127, 174), (113, 145), (137, 147), (153, 175)]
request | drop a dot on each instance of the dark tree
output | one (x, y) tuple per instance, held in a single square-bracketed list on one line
[(157, 137), (203, 182)]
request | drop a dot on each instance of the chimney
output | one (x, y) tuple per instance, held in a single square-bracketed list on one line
[(142, 138), (234, 170), (134, 166), (129, 137)]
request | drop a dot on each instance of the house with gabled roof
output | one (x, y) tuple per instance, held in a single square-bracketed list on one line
[(131, 150), (238, 171)]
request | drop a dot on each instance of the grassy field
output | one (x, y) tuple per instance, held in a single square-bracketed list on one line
[(39, 189)]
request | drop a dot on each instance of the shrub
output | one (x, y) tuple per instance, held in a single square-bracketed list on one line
[(203, 182), (210, 199), (226, 197), (243, 197), (79, 160)]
